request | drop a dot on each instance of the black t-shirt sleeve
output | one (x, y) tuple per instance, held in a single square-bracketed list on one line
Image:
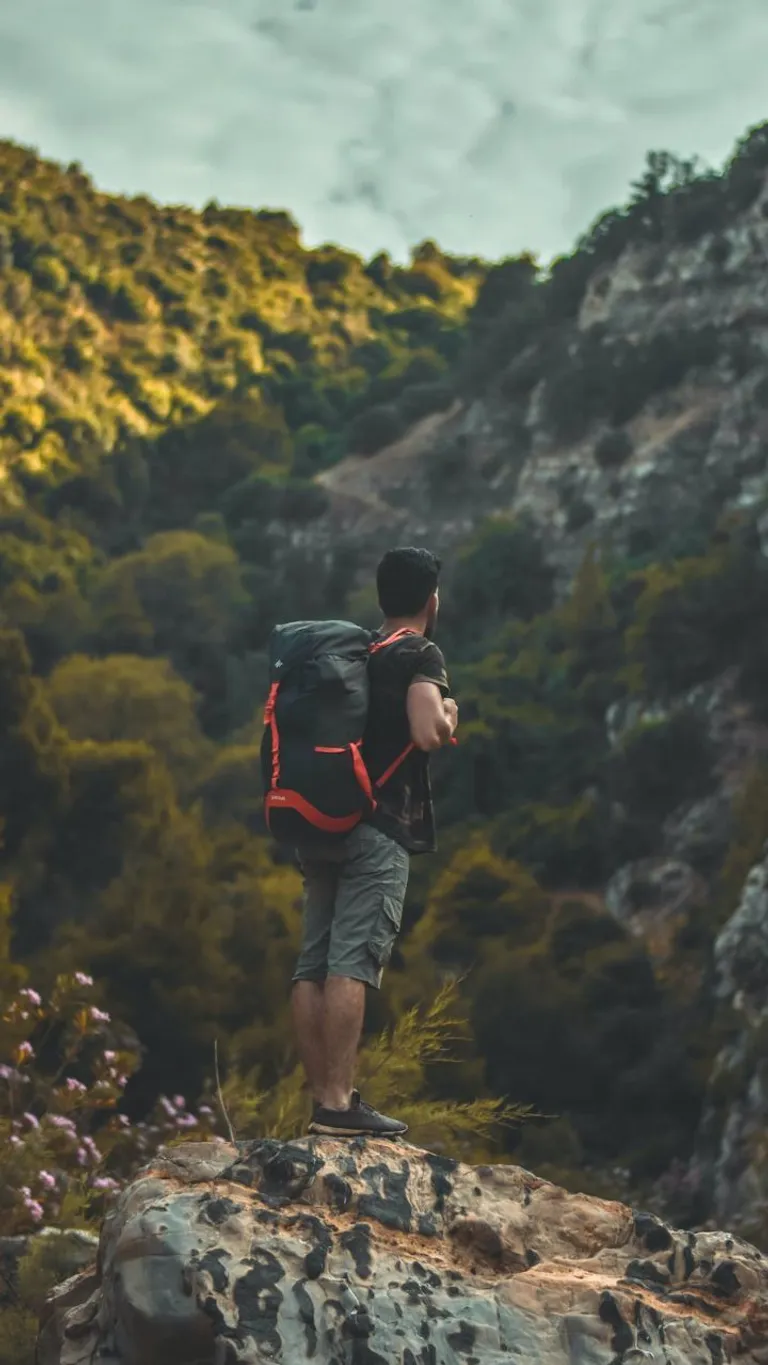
[(430, 667)]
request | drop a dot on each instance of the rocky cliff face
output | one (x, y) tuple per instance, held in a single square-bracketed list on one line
[(698, 447), (374, 1254), (732, 1160)]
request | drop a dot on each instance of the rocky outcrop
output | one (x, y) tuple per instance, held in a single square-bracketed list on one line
[(697, 449), (733, 1150), (380, 1254), (653, 898)]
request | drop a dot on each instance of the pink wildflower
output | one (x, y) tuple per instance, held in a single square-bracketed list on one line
[(205, 1110), (99, 1016), (104, 1182), (82, 1156), (186, 1121), (34, 1209), (31, 1120), (8, 1073), (109, 1056), (47, 1180), (61, 1121), (31, 996), (15, 1140), (82, 980), (122, 1081), (76, 1086), (166, 1105), (25, 1052), (180, 1101)]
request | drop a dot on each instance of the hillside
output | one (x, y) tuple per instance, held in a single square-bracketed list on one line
[(206, 428)]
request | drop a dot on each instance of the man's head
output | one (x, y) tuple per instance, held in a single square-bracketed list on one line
[(407, 582)]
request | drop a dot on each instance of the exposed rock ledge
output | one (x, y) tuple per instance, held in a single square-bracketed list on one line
[(380, 1254)]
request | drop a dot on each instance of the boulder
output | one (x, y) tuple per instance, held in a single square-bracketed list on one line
[(373, 1253)]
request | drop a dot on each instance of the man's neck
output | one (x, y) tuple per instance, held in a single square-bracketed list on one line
[(415, 623)]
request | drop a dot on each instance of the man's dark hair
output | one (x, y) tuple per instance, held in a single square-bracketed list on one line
[(406, 579)]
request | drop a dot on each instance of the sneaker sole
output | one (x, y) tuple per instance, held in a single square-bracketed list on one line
[(325, 1130)]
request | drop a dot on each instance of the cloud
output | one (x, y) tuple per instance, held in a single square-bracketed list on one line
[(492, 126)]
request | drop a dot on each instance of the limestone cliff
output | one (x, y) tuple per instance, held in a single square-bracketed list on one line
[(375, 1254), (732, 1160), (695, 447)]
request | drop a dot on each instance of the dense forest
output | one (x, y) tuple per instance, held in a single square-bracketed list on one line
[(170, 384)]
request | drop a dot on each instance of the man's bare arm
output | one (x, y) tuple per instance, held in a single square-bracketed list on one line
[(432, 717)]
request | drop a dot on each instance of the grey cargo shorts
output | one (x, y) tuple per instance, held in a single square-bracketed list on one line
[(354, 891)]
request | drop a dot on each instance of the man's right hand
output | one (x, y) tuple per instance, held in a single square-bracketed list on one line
[(451, 713)]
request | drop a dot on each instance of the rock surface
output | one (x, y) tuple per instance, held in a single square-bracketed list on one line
[(381, 1254), (733, 1148)]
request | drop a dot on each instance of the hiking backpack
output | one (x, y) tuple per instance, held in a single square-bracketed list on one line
[(315, 779)]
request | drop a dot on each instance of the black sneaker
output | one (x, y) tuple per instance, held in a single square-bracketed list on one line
[(360, 1120)]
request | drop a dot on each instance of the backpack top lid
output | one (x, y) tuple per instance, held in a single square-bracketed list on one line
[(293, 642)]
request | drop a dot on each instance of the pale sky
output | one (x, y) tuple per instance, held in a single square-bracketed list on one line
[(493, 126)]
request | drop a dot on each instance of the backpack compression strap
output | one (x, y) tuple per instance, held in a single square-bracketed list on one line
[(271, 721)]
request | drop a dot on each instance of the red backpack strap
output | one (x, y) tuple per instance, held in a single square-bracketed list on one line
[(362, 774), (390, 640), (393, 767), (270, 719)]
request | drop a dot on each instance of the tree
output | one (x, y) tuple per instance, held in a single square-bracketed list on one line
[(126, 697), (187, 587), (374, 428), (500, 573), (33, 773)]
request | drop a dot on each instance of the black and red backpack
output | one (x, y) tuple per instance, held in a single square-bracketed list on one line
[(315, 780)]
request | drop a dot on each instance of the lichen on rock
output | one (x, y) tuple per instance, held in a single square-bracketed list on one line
[(372, 1253)]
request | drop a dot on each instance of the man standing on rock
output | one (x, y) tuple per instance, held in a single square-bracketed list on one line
[(354, 889)]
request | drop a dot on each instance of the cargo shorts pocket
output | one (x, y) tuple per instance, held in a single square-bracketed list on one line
[(389, 917), (385, 931)]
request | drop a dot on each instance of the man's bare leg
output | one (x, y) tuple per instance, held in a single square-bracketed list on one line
[(308, 1008), (344, 1011)]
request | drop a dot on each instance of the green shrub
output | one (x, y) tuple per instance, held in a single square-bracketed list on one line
[(419, 400), (119, 297), (421, 281), (579, 513), (78, 356), (375, 428), (328, 267), (663, 763), (613, 448), (23, 422), (500, 573), (380, 269), (51, 274)]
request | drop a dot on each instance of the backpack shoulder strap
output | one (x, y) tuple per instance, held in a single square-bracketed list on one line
[(390, 639)]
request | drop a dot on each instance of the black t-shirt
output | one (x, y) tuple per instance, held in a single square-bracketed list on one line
[(404, 810)]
